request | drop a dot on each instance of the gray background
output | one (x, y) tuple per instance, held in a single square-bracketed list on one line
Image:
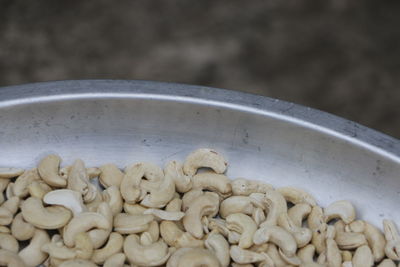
[(340, 56)]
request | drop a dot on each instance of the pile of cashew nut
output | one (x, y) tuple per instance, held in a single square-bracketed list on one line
[(188, 214)]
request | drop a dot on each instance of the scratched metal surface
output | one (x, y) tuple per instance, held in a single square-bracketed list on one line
[(278, 142)]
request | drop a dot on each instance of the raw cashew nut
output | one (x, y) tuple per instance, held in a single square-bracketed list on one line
[(113, 197), (219, 246), (315, 219), (301, 235), (67, 198), (204, 205), (276, 204), (387, 263), (298, 213), (174, 205), (77, 263), (8, 209), (134, 209), (277, 235), (3, 185), (175, 237), (20, 188), (116, 260), (165, 215), (363, 257), (130, 184), (10, 259), (348, 240), (215, 182), (376, 241), (38, 189), (244, 225), (204, 158), (8, 173), (189, 197), (192, 257), (53, 217), (174, 170), (21, 229), (48, 170), (78, 180), (237, 204), (244, 256), (32, 255), (110, 175), (159, 193), (333, 256), (392, 248), (4, 229), (244, 187), (113, 246), (151, 255), (306, 255), (297, 195), (131, 224), (341, 209), (9, 242)]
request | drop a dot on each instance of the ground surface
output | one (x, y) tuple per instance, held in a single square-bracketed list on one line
[(341, 56)]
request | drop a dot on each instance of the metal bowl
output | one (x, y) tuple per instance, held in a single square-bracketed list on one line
[(262, 138)]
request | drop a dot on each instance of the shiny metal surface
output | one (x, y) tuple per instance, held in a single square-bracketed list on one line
[(262, 138)]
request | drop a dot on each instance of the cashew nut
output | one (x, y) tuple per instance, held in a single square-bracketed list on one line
[(20, 188), (52, 217), (165, 215), (341, 209), (215, 182), (131, 224), (78, 180), (387, 263), (392, 248), (159, 193), (175, 237), (67, 198), (244, 225), (38, 189), (113, 197), (21, 229), (276, 205), (32, 255), (77, 263), (183, 183), (10, 259), (48, 170), (376, 241), (277, 235), (236, 204), (219, 246), (363, 257), (301, 235), (8, 209), (116, 260), (8, 172), (204, 158), (113, 246), (296, 195), (244, 256), (110, 175), (348, 240), (192, 257), (134, 209), (8, 242), (244, 187)]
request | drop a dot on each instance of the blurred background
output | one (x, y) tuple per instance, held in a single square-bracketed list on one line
[(340, 56)]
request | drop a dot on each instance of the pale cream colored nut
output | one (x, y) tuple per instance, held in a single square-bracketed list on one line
[(236, 204), (21, 229), (273, 253), (116, 260), (130, 184), (32, 255), (347, 264), (92, 172), (94, 204), (78, 180), (84, 222), (77, 263), (165, 215), (20, 188), (363, 257), (292, 260), (244, 256), (48, 170), (341, 209), (3, 185), (9, 242), (8, 173), (277, 235), (174, 205), (113, 246), (333, 255), (348, 240), (113, 197), (387, 263), (392, 248), (376, 241), (151, 255), (216, 243), (58, 251), (205, 205), (215, 182), (8, 209), (53, 217), (83, 246), (298, 213), (10, 191), (192, 257), (175, 237), (38, 189), (110, 175), (245, 187), (174, 169), (315, 219), (233, 237), (158, 193), (10, 259), (218, 225), (243, 265), (296, 195), (4, 229), (132, 224), (258, 215), (134, 209), (67, 198), (244, 225), (204, 158), (189, 197), (306, 254), (276, 204), (356, 226), (346, 255), (301, 235), (319, 239), (154, 231)]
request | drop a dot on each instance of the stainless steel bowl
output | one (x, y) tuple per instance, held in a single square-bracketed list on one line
[(262, 138)]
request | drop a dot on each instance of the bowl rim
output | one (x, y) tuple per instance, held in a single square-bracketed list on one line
[(314, 119)]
